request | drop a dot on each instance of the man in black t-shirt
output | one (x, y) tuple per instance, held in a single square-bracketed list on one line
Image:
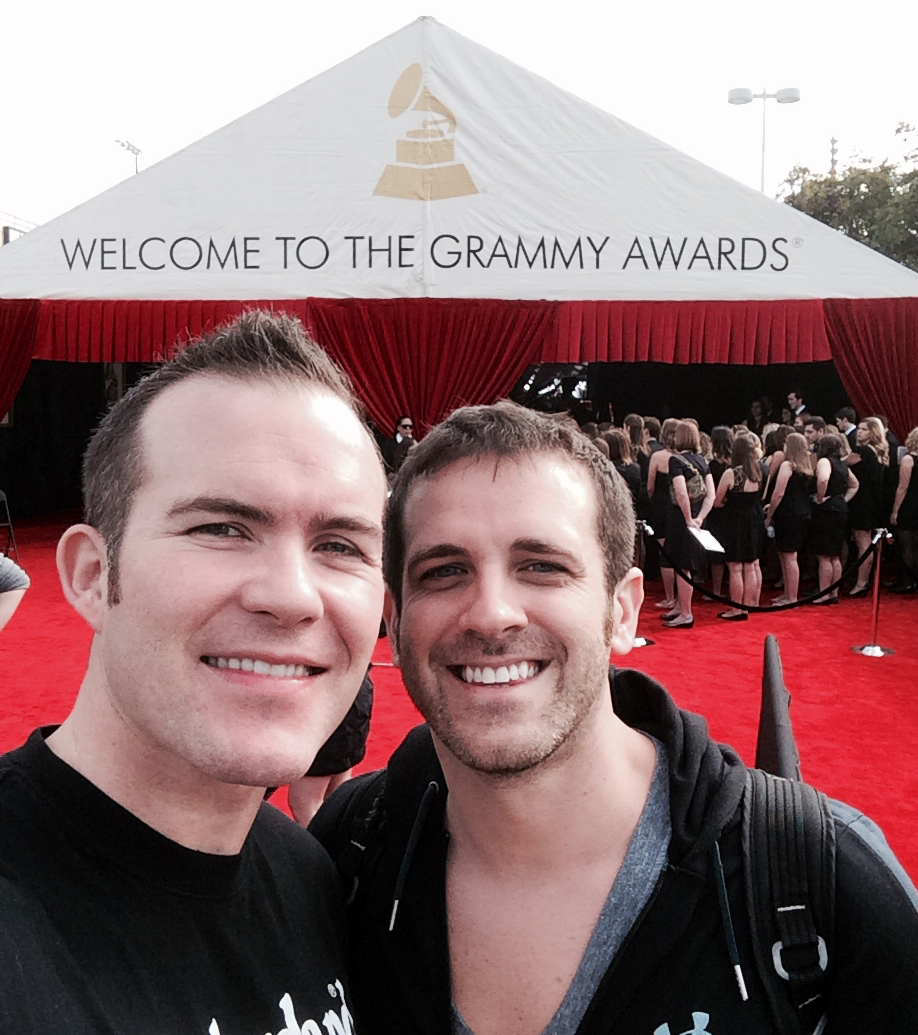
[(230, 569)]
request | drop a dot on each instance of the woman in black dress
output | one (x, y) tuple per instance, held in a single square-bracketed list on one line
[(721, 459), (776, 457), (835, 486), (622, 460), (789, 511), (868, 459), (904, 516), (693, 496), (619, 447), (742, 525), (660, 506)]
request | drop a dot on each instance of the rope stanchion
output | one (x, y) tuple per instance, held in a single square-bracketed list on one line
[(873, 649), (767, 609)]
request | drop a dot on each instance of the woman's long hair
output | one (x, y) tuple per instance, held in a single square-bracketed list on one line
[(722, 443), (668, 433), (619, 446), (745, 455), (876, 438), (797, 453)]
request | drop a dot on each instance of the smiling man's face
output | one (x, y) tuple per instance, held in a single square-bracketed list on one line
[(506, 622), (250, 581)]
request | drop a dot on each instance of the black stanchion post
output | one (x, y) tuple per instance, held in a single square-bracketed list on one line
[(872, 649)]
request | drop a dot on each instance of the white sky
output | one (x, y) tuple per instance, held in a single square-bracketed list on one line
[(76, 76)]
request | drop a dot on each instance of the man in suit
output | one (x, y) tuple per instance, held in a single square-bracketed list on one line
[(395, 449), (846, 421)]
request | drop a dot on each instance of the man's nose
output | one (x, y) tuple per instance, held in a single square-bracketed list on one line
[(493, 606), (285, 583)]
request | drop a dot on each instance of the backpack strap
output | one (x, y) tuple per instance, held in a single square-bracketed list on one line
[(789, 866), (359, 838)]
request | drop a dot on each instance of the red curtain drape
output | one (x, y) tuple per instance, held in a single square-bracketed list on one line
[(420, 355), (782, 331), (875, 347), (18, 325), (427, 356)]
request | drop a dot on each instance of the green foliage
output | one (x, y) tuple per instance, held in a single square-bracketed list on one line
[(875, 203)]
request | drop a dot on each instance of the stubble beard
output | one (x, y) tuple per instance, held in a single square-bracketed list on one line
[(573, 699)]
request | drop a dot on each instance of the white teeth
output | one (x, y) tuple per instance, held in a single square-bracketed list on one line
[(504, 674), (259, 668)]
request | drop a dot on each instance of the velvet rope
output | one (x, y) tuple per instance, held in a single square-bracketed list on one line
[(755, 608)]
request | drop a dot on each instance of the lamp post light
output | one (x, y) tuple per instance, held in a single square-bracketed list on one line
[(135, 151), (744, 96)]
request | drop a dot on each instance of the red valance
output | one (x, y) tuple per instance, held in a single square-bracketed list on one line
[(760, 332), (424, 356)]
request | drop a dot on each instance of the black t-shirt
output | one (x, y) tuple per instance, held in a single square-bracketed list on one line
[(106, 926)]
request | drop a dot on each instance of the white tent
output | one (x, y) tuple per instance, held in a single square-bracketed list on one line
[(428, 167)]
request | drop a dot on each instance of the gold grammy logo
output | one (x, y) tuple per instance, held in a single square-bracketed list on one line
[(426, 169)]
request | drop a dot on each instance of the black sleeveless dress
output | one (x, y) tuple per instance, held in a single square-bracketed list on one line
[(908, 510), (865, 511), (830, 518), (743, 522), (792, 518)]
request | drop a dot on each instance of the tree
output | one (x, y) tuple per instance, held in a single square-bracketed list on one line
[(875, 203)]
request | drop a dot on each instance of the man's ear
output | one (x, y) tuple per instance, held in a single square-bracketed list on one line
[(390, 617), (626, 608), (82, 566)]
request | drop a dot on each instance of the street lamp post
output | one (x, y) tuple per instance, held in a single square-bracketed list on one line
[(135, 151), (744, 96)]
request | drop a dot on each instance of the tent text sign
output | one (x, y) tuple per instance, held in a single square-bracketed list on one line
[(446, 251), (429, 167)]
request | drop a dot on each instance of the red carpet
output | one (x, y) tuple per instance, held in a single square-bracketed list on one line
[(855, 718)]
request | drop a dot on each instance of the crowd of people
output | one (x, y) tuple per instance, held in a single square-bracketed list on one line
[(801, 498)]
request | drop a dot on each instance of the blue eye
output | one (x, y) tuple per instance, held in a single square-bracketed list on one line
[(218, 529), (545, 568), (336, 546), (443, 571)]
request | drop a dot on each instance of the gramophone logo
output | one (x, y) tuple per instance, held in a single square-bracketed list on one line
[(426, 168)]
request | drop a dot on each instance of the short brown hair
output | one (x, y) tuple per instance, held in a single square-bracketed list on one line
[(506, 431), (259, 345), (686, 437)]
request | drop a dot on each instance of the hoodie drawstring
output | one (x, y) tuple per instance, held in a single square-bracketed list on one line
[(727, 921), (432, 790)]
